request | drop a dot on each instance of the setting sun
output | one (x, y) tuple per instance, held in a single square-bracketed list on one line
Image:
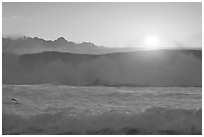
[(152, 42)]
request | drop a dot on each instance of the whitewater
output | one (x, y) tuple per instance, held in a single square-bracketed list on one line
[(59, 109)]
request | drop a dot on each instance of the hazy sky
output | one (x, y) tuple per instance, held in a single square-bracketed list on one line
[(107, 24)]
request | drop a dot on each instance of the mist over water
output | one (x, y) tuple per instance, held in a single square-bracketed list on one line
[(139, 68)]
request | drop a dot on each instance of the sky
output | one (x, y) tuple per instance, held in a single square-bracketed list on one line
[(107, 24)]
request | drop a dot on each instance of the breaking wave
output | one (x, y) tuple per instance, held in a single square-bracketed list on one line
[(151, 121)]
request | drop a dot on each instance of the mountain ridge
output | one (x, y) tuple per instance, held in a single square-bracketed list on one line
[(28, 45), (25, 45)]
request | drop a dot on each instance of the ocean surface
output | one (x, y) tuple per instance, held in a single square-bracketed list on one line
[(57, 109)]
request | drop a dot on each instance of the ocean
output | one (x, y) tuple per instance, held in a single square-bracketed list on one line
[(58, 109)]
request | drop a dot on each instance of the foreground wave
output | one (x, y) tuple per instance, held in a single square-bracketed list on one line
[(151, 121)]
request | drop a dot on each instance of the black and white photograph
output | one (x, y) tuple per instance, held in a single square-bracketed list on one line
[(101, 68)]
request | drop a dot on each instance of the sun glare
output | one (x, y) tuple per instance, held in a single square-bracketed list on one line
[(152, 42)]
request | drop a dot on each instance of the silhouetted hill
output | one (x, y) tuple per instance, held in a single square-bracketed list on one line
[(27, 45), (139, 68)]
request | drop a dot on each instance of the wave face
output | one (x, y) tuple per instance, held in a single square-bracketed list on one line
[(48, 109), (139, 68)]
